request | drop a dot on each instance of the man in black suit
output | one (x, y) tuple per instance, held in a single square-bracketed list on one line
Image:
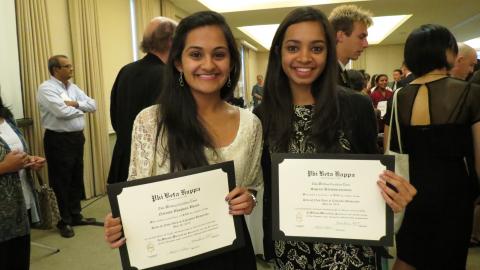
[(350, 24), (397, 76), (136, 87), (408, 76)]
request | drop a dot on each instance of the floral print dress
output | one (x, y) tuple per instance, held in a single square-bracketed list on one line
[(292, 255)]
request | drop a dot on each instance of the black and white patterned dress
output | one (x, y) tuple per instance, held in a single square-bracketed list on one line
[(290, 255)]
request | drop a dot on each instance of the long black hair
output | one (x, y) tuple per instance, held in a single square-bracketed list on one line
[(186, 136), (277, 106), (5, 112)]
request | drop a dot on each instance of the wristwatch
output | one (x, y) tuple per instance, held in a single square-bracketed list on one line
[(254, 199)]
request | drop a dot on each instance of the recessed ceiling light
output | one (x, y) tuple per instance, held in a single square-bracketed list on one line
[(223, 6), (382, 27), (263, 34), (474, 43)]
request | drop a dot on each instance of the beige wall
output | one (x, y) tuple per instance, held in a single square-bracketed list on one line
[(59, 26), (382, 59), (262, 62), (114, 27), (116, 41), (257, 65)]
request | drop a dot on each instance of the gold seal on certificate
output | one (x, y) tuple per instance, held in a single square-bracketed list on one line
[(330, 198), (178, 218)]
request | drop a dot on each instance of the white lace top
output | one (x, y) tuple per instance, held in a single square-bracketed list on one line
[(245, 150)]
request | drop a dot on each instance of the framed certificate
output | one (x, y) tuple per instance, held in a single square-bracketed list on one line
[(176, 219), (330, 198)]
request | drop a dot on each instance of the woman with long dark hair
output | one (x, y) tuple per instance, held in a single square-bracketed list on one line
[(439, 120), (304, 111), (194, 126), (16, 194), (380, 92)]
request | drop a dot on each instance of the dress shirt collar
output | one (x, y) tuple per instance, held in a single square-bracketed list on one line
[(342, 66), (60, 83)]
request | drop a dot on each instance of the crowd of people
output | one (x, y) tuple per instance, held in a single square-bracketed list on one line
[(178, 117)]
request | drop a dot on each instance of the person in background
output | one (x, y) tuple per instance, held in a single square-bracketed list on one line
[(350, 24), (304, 111), (380, 92), (408, 76), (17, 199), (464, 63), (137, 86), (367, 82), (379, 97), (197, 127), (475, 77), (373, 83), (257, 91), (396, 75), (357, 80), (439, 119), (62, 107)]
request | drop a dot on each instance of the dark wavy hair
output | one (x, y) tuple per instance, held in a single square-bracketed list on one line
[(426, 47), (5, 112), (186, 136), (277, 106)]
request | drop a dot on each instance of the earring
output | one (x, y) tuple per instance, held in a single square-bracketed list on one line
[(229, 82), (180, 79)]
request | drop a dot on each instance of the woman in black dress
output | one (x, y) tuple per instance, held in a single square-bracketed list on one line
[(304, 111), (439, 121)]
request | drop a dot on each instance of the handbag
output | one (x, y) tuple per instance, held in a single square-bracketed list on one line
[(49, 213), (401, 159)]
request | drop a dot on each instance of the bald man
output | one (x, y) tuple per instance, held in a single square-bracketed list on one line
[(464, 63), (137, 86)]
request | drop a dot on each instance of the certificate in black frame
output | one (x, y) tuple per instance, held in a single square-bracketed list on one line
[(228, 167), (277, 234)]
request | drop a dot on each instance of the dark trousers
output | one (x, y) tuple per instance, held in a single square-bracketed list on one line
[(64, 153), (15, 253)]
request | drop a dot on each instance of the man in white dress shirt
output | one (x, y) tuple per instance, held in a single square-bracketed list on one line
[(62, 108)]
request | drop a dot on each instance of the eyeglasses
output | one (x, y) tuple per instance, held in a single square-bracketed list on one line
[(65, 66)]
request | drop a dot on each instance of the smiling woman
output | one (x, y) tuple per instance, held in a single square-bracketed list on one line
[(206, 68), (305, 112), (194, 126)]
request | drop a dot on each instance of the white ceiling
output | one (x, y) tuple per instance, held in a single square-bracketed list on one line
[(462, 17)]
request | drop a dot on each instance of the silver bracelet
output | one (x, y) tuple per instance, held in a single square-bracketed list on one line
[(254, 199)]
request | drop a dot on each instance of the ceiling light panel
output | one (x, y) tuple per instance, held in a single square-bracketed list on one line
[(474, 43), (382, 27), (223, 6), (263, 34)]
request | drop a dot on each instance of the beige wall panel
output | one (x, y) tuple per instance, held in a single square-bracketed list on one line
[(262, 63), (116, 44), (383, 59), (252, 74), (58, 23)]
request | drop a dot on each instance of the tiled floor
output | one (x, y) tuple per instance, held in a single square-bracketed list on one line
[(88, 251)]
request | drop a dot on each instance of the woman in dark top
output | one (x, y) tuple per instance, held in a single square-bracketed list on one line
[(305, 112), (439, 121)]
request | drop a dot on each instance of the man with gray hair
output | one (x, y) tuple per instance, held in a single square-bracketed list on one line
[(63, 106), (464, 63), (350, 24), (136, 87)]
